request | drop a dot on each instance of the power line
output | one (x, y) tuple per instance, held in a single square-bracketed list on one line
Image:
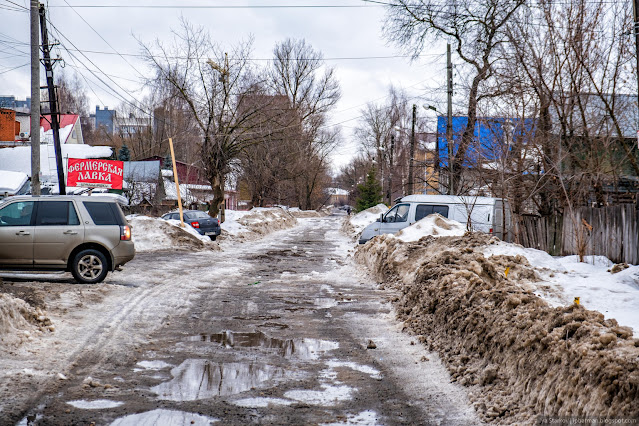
[(15, 7), (15, 68), (103, 39), (278, 6), (100, 70), (340, 58)]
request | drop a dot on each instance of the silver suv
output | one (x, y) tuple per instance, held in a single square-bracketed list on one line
[(87, 236)]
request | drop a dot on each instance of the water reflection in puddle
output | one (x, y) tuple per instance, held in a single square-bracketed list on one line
[(261, 402), (164, 417), (299, 348), (96, 404), (325, 302), (199, 379)]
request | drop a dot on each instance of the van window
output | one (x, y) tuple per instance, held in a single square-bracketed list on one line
[(56, 213), (424, 210), (105, 213), (399, 213)]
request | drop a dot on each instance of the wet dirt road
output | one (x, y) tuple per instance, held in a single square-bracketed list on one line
[(268, 332)]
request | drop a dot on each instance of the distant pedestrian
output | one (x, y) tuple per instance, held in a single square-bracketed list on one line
[(348, 210)]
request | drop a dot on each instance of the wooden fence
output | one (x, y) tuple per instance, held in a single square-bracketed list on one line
[(606, 231)]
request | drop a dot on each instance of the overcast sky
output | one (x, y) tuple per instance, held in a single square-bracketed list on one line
[(350, 38)]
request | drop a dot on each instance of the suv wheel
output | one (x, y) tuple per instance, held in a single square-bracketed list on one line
[(89, 266)]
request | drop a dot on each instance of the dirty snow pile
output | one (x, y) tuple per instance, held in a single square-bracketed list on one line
[(354, 225), (20, 321), (299, 213), (599, 284), (255, 223), (478, 303), (153, 234)]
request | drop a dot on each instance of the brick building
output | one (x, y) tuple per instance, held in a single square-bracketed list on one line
[(9, 127)]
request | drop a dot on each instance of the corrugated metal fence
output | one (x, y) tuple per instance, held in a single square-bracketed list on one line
[(607, 231)]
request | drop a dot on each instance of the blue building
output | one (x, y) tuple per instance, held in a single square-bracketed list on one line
[(493, 138), (104, 118), (11, 102)]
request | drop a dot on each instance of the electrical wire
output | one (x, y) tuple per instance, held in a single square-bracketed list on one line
[(103, 39), (341, 58), (278, 6), (15, 68)]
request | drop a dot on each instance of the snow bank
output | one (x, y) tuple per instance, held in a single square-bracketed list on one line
[(520, 356), (354, 225), (19, 320), (435, 225), (255, 223), (300, 214), (152, 234)]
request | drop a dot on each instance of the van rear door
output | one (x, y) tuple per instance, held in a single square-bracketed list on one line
[(502, 222)]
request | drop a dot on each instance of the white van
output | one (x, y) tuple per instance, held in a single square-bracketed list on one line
[(489, 215)]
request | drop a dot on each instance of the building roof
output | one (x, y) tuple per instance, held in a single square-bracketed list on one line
[(65, 120)]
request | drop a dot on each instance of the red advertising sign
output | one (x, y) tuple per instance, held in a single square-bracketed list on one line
[(92, 173)]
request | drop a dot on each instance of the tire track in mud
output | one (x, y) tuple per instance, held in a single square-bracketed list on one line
[(108, 336), (291, 290)]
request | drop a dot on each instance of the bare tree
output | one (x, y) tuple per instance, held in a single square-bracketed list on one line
[(72, 95), (354, 174), (268, 168), (296, 73), (574, 61), (476, 28), (212, 84), (383, 134)]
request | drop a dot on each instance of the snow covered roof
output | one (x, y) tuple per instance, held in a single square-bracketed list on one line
[(11, 182), (67, 122), (18, 159), (450, 199)]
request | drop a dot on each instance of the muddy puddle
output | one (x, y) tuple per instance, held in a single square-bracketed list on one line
[(302, 348), (196, 379)]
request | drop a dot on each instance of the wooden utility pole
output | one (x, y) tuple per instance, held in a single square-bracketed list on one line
[(636, 15), (53, 100), (177, 182), (34, 130), (449, 122), (411, 164)]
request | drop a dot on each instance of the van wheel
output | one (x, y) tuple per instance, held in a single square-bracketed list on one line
[(89, 267)]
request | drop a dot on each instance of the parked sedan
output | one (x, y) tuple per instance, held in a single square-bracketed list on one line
[(199, 220)]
